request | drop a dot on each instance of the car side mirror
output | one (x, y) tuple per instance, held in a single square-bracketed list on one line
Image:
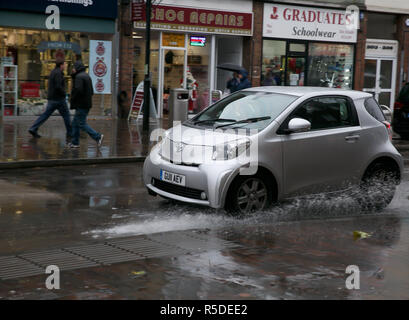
[(297, 125)]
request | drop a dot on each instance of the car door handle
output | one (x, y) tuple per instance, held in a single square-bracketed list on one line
[(353, 137)]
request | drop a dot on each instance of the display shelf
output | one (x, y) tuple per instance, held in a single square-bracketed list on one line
[(8, 95)]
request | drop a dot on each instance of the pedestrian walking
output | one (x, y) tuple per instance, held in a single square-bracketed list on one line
[(56, 101), (81, 101)]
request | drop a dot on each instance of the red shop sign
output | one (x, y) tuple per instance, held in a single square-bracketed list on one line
[(193, 20), (30, 90)]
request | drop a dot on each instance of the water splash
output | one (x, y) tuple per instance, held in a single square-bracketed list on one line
[(186, 217)]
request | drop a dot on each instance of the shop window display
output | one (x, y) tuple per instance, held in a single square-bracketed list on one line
[(138, 71), (197, 77), (330, 65), (273, 63), (35, 53)]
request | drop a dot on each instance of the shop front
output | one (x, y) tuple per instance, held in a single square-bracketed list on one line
[(381, 57), (307, 46), (187, 44), (28, 52)]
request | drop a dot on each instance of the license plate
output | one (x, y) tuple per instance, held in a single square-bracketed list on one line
[(173, 178)]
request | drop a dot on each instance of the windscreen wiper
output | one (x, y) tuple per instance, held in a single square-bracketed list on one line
[(250, 120), (214, 120)]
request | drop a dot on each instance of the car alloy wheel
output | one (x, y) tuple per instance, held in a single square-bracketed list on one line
[(252, 195)]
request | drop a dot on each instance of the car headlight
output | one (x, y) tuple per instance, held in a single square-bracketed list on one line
[(230, 150), (161, 142)]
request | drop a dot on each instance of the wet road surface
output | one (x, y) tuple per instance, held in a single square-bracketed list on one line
[(297, 250)]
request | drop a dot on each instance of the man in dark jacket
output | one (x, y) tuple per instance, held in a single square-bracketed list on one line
[(81, 101), (233, 83), (56, 101), (239, 81), (244, 83)]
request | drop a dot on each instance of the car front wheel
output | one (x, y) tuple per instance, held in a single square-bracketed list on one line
[(248, 194)]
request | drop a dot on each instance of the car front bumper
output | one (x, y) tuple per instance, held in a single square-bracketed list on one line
[(213, 179)]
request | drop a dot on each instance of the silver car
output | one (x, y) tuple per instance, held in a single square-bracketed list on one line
[(261, 145)]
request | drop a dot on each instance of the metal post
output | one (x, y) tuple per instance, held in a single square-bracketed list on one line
[(147, 80)]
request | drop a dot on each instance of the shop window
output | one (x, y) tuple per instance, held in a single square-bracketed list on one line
[(298, 47), (138, 72), (34, 52), (330, 65), (229, 50), (273, 67), (197, 75)]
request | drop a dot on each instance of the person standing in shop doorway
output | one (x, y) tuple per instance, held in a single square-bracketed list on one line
[(56, 101), (81, 101)]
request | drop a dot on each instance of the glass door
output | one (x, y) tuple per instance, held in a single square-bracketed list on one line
[(173, 74), (296, 71), (296, 63), (379, 79)]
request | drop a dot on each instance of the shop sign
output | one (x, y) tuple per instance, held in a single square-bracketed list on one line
[(194, 20), (88, 8), (100, 65), (137, 9), (30, 90), (136, 110), (381, 49), (56, 45), (7, 61), (307, 23), (173, 40)]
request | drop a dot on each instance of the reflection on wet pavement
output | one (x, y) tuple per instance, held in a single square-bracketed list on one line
[(121, 139)]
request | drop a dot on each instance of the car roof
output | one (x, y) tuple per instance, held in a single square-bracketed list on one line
[(311, 91)]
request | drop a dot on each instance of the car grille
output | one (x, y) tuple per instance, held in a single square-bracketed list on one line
[(177, 190)]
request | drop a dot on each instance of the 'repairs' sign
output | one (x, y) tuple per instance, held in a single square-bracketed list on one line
[(193, 20), (307, 23)]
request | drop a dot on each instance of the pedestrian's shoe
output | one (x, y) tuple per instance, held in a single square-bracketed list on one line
[(100, 140), (34, 134), (68, 139), (73, 146)]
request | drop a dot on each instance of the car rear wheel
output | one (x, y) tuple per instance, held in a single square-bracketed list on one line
[(248, 194), (377, 188)]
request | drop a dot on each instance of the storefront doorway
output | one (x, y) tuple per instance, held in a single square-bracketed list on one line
[(296, 63), (380, 70), (173, 73), (186, 61)]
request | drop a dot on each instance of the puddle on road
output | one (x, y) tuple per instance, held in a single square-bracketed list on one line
[(186, 217)]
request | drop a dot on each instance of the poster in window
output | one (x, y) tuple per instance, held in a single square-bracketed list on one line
[(100, 66)]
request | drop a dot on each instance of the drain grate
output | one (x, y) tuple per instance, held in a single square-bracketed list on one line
[(14, 267), (63, 259), (110, 252), (147, 248), (104, 253)]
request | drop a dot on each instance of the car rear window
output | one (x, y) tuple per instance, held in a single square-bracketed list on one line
[(374, 109)]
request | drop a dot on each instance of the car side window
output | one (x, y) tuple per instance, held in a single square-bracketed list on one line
[(327, 113), (374, 109)]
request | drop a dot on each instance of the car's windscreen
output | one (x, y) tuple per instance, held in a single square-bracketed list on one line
[(253, 109)]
